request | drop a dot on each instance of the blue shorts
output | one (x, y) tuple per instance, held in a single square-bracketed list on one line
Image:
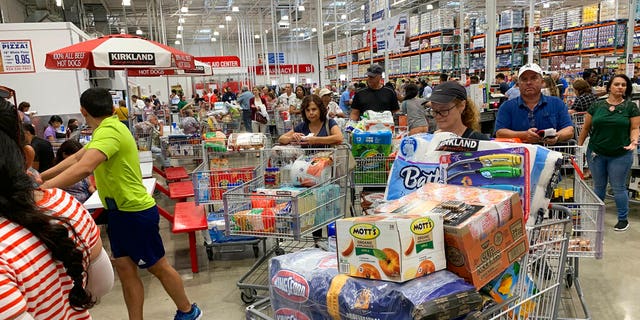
[(136, 235)]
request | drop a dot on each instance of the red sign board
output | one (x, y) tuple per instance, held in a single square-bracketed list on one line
[(286, 68), (221, 61), (150, 72)]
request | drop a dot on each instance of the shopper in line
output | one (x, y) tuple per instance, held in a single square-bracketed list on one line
[(560, 82), (584, 97), (416, 113), (244, 100), (549, 87), (122, 112), (82, 189), (44, 156), (295, 110), (375, 97), (345, 99), (514, 91), (333, 109), (612, 125), (23, 108), (592, 77), (137, 106), (454, 112), (133, 230), (526, 115), (259, 112), (228, 95), (52, 265), (51, 131)]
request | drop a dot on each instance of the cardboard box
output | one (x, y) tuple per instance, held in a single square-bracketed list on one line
[(401, 245), (482, 245)]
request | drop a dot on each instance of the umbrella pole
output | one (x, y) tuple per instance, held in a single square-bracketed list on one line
[(128, 99)]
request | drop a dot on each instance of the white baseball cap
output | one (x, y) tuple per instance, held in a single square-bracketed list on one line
[(530, 67)]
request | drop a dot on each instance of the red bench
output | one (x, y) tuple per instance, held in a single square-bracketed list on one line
[(171, 174), (181, 190), (190, 218)]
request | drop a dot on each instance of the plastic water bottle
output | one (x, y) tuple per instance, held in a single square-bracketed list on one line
[(331, 236), (62, 129)]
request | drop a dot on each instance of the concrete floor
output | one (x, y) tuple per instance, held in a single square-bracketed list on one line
[(611, 285)]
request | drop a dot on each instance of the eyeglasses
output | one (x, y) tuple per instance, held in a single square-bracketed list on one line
[(443, 113)]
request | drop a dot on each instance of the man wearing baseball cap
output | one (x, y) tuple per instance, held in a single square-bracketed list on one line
[(534, 117), (375, 97)]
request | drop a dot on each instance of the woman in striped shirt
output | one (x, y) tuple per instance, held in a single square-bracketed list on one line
[(52, 265)]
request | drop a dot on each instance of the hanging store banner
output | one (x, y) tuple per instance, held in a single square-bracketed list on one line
[(286, 69), (397, 31), (380, 31), (221, 61), (16, 56)]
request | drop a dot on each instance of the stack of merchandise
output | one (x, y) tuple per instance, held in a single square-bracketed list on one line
[(371, 145), (559, 20), (590, 14), (573, 40), (511, 19), (589, 38), (574, 17), (425, 22)]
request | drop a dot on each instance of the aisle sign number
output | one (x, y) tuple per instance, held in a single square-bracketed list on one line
[(272, 57), (16, 56)]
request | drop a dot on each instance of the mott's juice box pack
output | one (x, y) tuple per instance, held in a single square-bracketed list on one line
[(397, 246)]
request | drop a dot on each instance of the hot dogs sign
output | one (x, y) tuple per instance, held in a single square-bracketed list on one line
[(16, 56)]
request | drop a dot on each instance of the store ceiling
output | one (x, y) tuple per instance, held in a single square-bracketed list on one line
[(204, 17)]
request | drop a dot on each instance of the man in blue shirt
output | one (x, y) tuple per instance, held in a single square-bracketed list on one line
[(524, 117), (345, 99), (244, 100)]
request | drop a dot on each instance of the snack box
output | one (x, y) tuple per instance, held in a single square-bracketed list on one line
[(484, 239), (507, 284), (397, 246)]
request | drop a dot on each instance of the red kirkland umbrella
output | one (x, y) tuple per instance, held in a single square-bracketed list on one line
[(119, 52)]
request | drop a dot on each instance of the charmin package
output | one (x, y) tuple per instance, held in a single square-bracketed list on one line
[(404, 243), (306, 285), (484, 229)]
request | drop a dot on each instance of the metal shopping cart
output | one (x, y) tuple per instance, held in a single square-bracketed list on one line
[(182, 149), (543, 266), (221, 170), (290, 214)]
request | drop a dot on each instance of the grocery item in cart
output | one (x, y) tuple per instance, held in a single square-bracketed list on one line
[(507, 284), (400, 245), (371, 144), (378, 121), (310, 172), (484, 229), (246, 141), (307, 284)]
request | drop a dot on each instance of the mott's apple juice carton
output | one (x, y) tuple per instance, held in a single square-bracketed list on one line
[(484, 229), (397, 246)]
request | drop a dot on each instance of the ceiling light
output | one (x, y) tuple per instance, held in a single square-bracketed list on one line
[(301, 34), (266, 31), (213, 39), (184, 9), (181, 20), (285, 18), (429, 7), (326, 24), (314, 29), (221, 26), (300, 8), (59, 3), (235, 9), (180, 28), (257, 36), (362, 7), (546, 5), (227, 18), (216, 33), (343, 17), (139, 32), (125, 3), (122, 31), (179, 36), (177, 42), (205, 30)]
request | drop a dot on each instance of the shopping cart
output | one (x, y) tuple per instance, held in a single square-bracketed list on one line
[(543, 266), (182, 149), (144, 140), (578, 122), (287, 215)]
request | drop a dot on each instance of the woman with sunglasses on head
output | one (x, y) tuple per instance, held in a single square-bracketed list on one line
[(52, 265), (454, 112), (612, 125)]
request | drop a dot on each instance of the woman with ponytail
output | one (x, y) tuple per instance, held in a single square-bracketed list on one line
[(52, 265)]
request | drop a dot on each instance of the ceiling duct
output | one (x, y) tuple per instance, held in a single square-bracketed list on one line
[(41, 13)]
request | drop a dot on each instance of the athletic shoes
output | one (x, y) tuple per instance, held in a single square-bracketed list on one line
[(622, 225), (194, 314)]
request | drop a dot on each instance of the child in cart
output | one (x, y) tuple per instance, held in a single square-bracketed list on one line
[(315, 130)]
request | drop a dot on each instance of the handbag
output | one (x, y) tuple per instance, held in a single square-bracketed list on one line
[(260, 118)]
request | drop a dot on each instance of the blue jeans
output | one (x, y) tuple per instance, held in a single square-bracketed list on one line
[(246, 119), (615, 170)]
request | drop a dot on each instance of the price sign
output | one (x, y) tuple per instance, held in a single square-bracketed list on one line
[(16, 56)]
